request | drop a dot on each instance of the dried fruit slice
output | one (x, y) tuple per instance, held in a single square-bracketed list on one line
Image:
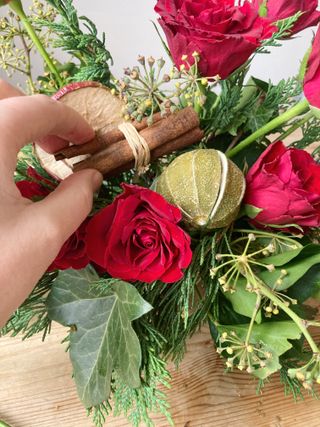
[(98, 106)]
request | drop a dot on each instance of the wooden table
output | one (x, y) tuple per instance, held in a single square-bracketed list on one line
[(37, 391)]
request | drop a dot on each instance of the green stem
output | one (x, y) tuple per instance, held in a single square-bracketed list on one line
[(297, 110), (3, 424), (277, 301), (296, 126), (271, 235), (16, 6), (253, 318), (28, 63), (313, 323)]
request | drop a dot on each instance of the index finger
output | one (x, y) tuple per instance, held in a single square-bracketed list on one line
[(28, 118)]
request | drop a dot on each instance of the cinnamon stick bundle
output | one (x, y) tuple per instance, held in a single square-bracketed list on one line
[(100, 142), (176, 131), (179, 143)]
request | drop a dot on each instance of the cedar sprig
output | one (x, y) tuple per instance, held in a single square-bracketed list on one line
[(310, 133), (79, 37), (139, 404), (284, 31), (183, 306), (31, 317)]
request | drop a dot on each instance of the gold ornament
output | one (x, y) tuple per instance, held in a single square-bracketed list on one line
[(206, 186)]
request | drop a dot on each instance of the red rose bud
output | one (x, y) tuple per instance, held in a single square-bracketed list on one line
[(281, 9), (284, 184), (311, 84), (137, 238), (224, 35), (73, 253)]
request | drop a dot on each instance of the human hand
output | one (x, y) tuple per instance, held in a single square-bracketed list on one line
[(31, 234)]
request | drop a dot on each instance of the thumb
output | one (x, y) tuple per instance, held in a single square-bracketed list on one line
[(68, 206)]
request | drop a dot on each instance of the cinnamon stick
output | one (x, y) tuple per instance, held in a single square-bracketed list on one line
[(162, 132), (100, 142), (183, 141)]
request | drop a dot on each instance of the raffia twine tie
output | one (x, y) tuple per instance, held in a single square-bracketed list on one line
[(138, 145)]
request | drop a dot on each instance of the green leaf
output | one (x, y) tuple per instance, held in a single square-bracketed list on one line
[(308, 286), (263, 10), (274, 335), (282, 258), (315, 111), (103, 339), (251, 211), (243, 302), (306, 258)]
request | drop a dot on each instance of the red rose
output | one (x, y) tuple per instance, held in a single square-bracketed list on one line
[(137, 238), (37, 188), (285, 184), (281, 9), (311, 84), (223, 34), (73, 252)]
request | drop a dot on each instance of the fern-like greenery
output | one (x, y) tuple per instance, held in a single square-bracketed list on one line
[(79, 37)]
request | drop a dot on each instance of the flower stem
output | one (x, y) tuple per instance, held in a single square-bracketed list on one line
[(296, 126), (3, 424), (271, 235), (277, 301), (297, 110), (16, 6), (253, 318)]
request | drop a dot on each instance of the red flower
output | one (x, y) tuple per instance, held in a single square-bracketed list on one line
[(311, 85), (281, 9), (73, 252), (223, 34), (137, 238), (285, 184), (36, 188)]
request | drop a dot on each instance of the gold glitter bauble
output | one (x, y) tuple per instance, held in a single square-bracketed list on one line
[(206, 186)]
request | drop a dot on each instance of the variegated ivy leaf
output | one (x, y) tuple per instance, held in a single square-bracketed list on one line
[(103, 338)]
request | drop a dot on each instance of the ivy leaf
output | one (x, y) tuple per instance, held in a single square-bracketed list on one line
[(103, 339), (274, 335), (308, 286), (282, 258), (306, 258), (243, 302)]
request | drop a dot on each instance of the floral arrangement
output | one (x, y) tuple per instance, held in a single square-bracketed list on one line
[(207, 214)]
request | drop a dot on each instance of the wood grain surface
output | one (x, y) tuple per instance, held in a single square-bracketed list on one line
[(36, 390)]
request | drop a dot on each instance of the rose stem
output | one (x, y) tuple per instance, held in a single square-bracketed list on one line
[(16, 6), (3, 424), (296, 126), (297, 110), (277, 301)]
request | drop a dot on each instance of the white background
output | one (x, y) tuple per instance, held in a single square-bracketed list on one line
[(129, 32)]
